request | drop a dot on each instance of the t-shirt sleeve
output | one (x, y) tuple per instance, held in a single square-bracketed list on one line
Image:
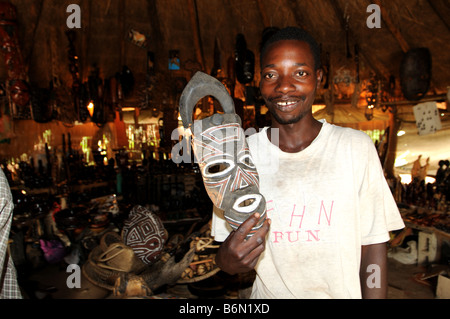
[(378, 210), (220, 229)]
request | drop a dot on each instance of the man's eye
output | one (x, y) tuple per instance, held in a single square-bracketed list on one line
[(302, 73), (269, 76)]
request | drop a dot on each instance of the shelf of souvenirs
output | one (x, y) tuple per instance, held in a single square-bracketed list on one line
[(54, 190), (428, 220)]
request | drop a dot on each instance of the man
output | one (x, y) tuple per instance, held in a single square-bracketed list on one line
[(329, 207), (9, 288)]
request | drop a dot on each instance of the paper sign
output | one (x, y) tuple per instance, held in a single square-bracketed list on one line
[(427, 118)]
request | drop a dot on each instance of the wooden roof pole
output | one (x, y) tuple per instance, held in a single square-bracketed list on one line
[(27, 59), (436, 10), (395, 32), (391, 153), (380, 70), (262, 11), (121, 22), (299, 18), (196, 32), (394, 122), (159, 45), (85, 39)]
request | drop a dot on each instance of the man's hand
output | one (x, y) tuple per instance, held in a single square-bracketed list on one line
[(238, 255)]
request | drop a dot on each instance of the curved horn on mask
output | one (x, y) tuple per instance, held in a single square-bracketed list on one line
[(201, 85)]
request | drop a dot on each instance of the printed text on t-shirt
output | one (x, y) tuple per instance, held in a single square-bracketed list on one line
[(294, 230)]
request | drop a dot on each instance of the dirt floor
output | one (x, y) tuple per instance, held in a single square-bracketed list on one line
[(50, 282)]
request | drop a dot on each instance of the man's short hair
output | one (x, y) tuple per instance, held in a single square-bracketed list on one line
[(294, 33)]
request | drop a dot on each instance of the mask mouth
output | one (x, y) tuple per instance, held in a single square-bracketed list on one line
[(247, 204), (243, 207)]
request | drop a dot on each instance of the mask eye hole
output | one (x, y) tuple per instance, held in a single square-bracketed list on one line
[(153, 244), (247, 203), (246, 160), (218, 167)]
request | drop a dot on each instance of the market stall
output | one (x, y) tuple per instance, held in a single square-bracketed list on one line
[(91, 133)]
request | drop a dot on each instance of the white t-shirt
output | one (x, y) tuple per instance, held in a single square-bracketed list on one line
[(324, 203)]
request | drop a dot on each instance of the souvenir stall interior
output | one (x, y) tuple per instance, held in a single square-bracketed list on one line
[(109, 200)]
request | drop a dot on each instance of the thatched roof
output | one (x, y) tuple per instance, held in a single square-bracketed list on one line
[(170, 25)]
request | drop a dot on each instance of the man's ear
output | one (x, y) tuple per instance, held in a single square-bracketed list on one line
[(319, 76)]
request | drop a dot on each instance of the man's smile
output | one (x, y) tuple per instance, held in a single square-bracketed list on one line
[(287, 105)]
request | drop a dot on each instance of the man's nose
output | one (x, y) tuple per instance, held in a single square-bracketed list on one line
[(285, 85)]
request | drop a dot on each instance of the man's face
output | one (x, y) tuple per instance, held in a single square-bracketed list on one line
[(289, 80)]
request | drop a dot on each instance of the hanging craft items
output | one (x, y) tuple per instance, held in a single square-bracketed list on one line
[(245, 61), (17, 84), (42, 111), (415, 73), (219, 145), (217, 68), (77, 87), (345, 80), (174, 60), (137, 38)]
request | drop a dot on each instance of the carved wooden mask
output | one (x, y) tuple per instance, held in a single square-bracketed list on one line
[(229, 174)]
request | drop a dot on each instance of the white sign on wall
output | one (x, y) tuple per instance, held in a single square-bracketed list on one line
[(427, 118)]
